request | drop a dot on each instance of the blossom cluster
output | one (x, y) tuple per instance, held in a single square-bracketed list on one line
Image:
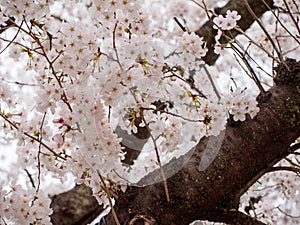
[(24, 206), (226, 23), (239, 105), (30, 8), (192, 49), (277, 197)]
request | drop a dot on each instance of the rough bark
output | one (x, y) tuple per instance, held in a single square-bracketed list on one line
[(75, 207), (249, 149)]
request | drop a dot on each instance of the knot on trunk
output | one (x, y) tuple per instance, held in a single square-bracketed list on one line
[(142, 220)]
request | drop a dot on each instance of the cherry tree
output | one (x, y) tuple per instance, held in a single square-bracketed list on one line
[(150, 112)]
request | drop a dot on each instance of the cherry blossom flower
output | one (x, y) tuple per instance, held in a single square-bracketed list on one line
[(239, 105), (228, 22)]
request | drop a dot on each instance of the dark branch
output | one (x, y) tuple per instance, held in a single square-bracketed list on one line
[(8, 23), (294, 147), (284, 168), (238, 218)]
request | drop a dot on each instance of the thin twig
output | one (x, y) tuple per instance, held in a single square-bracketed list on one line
[(284, 168), (30, 178), (279, 21), (243, 68), (294, 147), (158, 158), (257, 45), (39, 153), (173, 114), (109, 198), (44, 54), (184, 80), (245, 53), (14, 38), (265, 31), (114, 45), (254, 77), (212, 82), (292, 163), (295, 217), (179, 24), (291, 15), (8, 24), (17, 82)]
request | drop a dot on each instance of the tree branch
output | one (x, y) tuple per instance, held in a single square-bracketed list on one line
[(238, 218), (284, 168), (294, 147), (8, 23)]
